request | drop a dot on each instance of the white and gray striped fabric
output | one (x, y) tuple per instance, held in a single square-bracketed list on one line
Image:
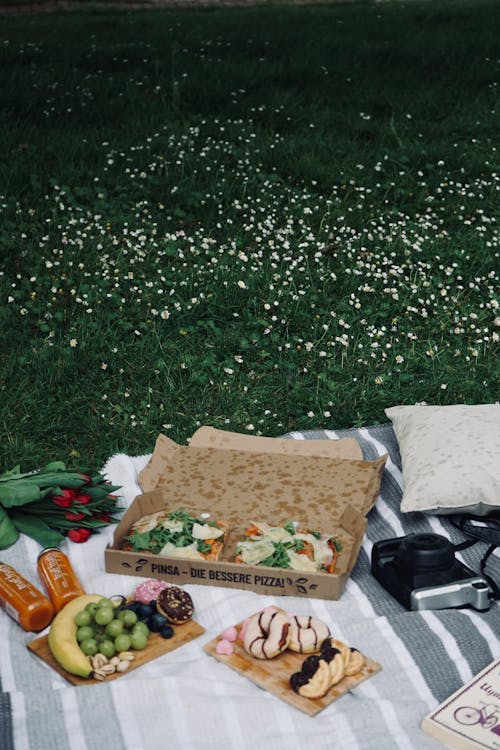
[(188, 700)]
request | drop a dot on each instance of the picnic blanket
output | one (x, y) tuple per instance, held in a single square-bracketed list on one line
[(186, 699)]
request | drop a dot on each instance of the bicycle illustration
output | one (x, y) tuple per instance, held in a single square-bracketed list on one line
[(488, 716)]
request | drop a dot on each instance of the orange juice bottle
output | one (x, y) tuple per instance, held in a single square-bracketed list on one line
[(23, 601), (58, 577)]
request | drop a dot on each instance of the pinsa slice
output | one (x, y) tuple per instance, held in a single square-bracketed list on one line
[(177, 534), (287, 547)]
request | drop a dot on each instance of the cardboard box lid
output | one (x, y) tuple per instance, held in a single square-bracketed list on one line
[(209, 437), (246, 486)]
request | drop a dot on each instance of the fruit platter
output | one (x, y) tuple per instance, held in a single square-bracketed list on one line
[(96, 638)]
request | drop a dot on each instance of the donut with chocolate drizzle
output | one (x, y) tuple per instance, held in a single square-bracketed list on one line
[(267, 634), (307, 633)]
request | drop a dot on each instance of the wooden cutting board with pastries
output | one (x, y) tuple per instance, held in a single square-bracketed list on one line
[(273, 674)]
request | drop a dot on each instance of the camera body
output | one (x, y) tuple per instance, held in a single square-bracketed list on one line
[(422, 572)]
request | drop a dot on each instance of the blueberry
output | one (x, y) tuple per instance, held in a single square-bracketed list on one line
[(167, 631), (144, 611), (156, 622)]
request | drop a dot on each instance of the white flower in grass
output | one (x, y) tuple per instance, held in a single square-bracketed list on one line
[(165, 314), (310, 414), (73, 343), (242, 284)]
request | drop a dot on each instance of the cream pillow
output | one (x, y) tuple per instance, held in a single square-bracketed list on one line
[(450, 457)]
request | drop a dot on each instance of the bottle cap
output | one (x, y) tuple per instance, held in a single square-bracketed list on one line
[(47, 549)]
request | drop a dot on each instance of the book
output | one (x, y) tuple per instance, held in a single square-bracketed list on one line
[(470, 718)]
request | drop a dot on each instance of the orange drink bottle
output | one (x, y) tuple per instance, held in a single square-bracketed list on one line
[(58, 577), (23, 601)]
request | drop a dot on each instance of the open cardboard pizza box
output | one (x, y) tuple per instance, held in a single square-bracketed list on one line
[(250, 480)]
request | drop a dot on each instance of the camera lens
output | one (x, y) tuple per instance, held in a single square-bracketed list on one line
[(426, 552)]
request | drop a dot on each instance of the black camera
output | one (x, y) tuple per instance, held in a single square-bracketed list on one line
[(422, 572)]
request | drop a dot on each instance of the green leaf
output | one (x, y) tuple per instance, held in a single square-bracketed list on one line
[(37, 529), (96, 493), (66, 479), (8, 532), (18, 492), (202, 546), (54, 466), (12, 473), (140, 541), (112, 488)]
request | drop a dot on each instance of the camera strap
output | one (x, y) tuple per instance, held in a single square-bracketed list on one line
[(480, 529)]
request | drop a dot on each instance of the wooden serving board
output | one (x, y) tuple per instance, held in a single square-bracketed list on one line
[(157, 646), (273, 675)]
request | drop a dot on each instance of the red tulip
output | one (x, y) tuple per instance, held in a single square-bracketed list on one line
[(79, 535), (83, 499), (70, 516), (61, 501)]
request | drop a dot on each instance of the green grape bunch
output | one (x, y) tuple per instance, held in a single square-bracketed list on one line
[(106, 628)]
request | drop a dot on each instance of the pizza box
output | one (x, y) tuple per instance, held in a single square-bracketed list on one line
[(242, 484)]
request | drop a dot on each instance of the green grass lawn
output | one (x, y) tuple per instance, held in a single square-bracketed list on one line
[(261, 219)]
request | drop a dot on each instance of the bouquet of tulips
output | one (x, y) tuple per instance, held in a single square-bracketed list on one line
[(54, 503)]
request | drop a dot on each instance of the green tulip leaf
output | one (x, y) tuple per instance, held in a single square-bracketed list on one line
[(37, 529), (18, 492), (8, 532), (54, 466)]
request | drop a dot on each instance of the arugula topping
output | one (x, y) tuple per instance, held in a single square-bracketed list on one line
[(158, 537), (280, 558)]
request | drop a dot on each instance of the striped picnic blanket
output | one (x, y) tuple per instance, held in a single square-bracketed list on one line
[(188, 700)]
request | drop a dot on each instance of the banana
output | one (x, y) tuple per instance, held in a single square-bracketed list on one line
[(62, 637)]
